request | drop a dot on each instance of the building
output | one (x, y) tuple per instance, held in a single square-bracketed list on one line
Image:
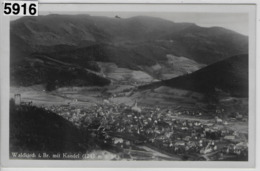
[(180, 143), (218, 120), (229, 137), (17, 99), (136, 108)]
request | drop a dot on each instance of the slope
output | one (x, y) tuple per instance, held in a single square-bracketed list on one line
[(227, 76), (140, 37), (34, 129)]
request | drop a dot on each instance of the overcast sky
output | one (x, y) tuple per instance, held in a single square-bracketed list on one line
[(233, 21)]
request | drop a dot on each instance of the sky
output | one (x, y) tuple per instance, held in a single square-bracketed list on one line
[(234, 21)]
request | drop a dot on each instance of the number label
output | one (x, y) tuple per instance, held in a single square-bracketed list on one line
[(20, 8)]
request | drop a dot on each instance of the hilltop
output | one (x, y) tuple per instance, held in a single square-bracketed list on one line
[(141, 43), (34, 129), (227, 76)]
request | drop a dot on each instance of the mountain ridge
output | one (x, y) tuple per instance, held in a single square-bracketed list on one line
[(71, 30), (137, 43)]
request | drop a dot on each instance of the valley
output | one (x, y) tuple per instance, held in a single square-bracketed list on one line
[(139, 88), (148, 128)]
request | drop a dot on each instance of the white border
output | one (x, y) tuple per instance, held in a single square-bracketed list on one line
[(153, 1), (5, 90)]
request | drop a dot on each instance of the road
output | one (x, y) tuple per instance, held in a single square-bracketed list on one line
[(158, 154)]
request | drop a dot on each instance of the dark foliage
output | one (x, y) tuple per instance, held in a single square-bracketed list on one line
[(73, 77), (34, 129), (229, 76), (54, 73), (133, 43)]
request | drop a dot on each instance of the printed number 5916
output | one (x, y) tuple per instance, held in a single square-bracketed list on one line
[(20, 8)]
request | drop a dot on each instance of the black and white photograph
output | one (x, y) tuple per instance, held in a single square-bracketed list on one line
[(130, 86)]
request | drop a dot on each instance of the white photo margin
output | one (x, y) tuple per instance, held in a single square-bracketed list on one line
[(94, 5)]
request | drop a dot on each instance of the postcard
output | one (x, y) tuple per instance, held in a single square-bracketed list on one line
[(138, 85)]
